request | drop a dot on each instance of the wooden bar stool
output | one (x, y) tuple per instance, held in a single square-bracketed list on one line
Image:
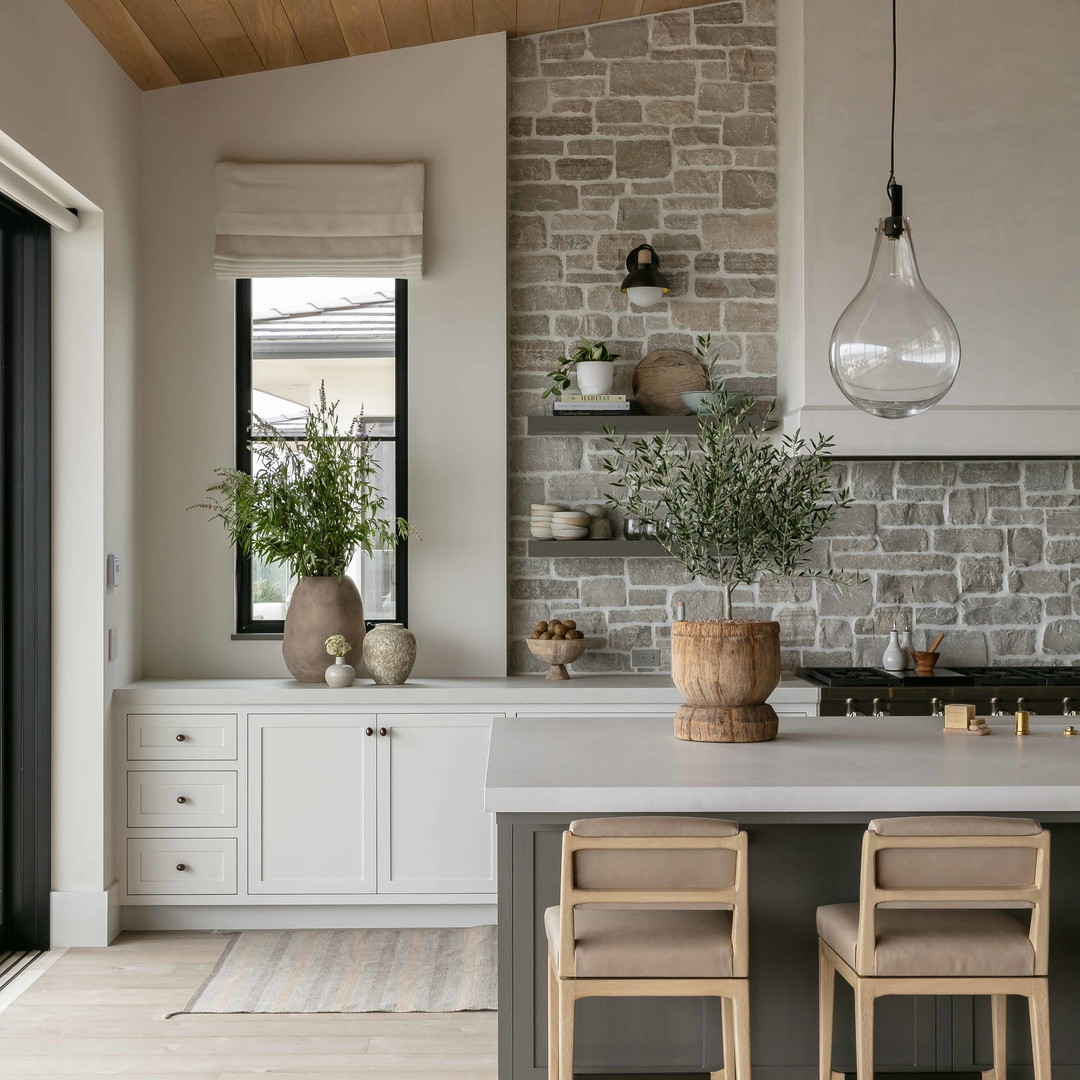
[(940, 911), (650, 907)]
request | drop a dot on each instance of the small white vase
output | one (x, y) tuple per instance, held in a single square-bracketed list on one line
[(339, 674), (893, 659), (594, 376), (907, 646)]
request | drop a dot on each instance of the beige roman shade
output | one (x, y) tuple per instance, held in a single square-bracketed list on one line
[(319, 220)]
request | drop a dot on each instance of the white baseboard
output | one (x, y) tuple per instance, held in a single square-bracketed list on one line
[(87, 918), (304, 917)]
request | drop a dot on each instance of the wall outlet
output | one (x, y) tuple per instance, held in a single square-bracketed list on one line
[(113, 645), (114, 571), (640, 658)]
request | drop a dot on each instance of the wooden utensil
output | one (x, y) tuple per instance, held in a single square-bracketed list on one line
[(937, 641)]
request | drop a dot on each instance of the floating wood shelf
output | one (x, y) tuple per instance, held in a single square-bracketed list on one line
[(594, 549), (625, 424)]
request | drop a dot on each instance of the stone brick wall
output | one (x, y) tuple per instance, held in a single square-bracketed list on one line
[(661, 129)]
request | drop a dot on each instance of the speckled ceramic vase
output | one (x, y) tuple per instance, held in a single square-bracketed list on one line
[(390, 652), (318, 608)]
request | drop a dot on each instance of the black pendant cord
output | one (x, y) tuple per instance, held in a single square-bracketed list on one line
[(894, 223), (892, 122)]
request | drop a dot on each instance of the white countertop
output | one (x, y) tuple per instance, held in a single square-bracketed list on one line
[(820, 764), (514, 689)]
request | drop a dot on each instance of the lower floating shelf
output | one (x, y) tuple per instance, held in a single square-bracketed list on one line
[(599, 549)]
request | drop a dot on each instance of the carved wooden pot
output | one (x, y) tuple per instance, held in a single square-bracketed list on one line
[(319, 608), (726, 672)]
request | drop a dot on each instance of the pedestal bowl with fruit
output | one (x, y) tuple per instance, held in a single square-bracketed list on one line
[(557, 643)]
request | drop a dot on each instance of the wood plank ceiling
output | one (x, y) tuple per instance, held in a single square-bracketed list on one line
[(166, 42)]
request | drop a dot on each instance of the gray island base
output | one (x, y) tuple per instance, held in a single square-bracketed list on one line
[(805, 800)]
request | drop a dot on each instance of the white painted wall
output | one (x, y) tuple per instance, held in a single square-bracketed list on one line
[(443, 104), (69, 118), (988, 153)]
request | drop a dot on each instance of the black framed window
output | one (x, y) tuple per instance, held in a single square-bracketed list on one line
[(292, 335), (25, 578)]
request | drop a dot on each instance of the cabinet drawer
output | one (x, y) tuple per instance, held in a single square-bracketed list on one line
[(181, 866), (181, 799), (181, 737)]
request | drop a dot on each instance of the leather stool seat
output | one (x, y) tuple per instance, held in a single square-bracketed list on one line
[(935, 942), (628, 943)]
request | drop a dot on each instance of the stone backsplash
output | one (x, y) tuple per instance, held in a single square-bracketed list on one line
[(988, 551), (658, 129), (661, 129)]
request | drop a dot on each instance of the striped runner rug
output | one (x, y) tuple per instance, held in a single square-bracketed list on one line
[(352, 971)]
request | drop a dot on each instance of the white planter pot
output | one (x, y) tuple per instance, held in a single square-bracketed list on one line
[(594, 376)]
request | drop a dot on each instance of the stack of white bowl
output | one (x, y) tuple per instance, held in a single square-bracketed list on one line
[(540, 520), (569, 525)]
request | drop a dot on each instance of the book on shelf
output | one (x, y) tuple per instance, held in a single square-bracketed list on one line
[(562, 408), (591, 397)]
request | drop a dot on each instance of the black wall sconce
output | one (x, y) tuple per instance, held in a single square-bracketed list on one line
[(644, 284)]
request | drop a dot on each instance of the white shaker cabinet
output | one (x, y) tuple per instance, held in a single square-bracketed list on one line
[(254, 803), (434, 834), (311, 804)]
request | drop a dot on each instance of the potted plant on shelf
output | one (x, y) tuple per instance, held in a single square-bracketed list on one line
[(310, 504), (732, 506), (591, 361)]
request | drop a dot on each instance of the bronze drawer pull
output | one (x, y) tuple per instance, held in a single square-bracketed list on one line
[(181, 867), (181, 738), (181, 799)]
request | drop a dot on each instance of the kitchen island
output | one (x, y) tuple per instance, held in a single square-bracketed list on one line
[(804, 799)]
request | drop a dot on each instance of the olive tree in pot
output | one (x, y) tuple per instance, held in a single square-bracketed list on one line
[(732, 506), (310, 504)]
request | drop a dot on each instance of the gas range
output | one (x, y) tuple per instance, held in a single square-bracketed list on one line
[(866, 691)]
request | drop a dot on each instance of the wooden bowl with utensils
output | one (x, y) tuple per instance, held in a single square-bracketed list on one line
[(557, 652), (924, 662)]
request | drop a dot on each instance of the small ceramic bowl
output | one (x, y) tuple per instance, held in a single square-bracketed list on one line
[(557, 653)]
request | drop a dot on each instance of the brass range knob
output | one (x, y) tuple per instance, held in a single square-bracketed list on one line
[(181, 738), (181, 867)]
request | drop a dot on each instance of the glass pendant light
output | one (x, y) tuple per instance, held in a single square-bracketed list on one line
[(644, 284), (894, 351)]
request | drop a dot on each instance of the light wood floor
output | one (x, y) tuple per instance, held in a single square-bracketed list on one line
[(98, 1013)]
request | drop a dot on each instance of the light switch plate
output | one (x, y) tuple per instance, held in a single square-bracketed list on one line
[(640, 658), (113, 571), (114, 643)]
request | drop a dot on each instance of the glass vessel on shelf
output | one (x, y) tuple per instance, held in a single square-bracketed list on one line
[(895, 350)]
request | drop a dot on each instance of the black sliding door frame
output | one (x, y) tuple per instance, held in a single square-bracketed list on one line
[(25, 579)]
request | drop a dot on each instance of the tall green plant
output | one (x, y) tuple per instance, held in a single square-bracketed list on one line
[(730, 504), (310, 503)]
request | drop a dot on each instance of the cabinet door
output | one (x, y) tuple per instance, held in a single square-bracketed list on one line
[(434, 834), (311, 804)]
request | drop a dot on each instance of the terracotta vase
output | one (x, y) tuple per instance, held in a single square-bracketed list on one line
[(726, 672), (390, 652), (320, 607)]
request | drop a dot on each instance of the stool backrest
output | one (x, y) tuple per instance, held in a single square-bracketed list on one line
[(958, 862), (669, 861)]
